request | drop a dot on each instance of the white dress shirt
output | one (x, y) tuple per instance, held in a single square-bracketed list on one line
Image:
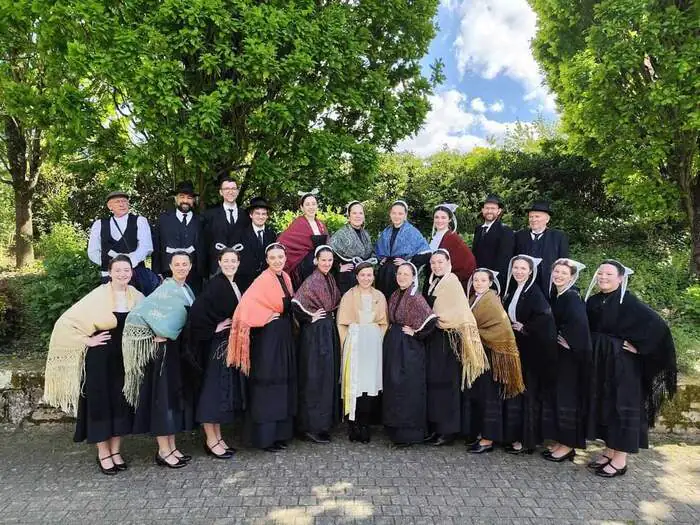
[(227, 209), (144, 244), (514, 302), (180, 215), (486, 226)]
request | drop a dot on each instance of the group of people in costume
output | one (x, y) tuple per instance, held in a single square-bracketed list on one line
[(289, 335)]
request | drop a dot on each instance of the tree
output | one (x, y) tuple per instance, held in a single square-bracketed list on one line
[(45, 102), (627, 78), (282, 94)]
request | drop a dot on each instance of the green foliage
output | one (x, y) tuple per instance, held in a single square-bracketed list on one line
[(10, 313), (691, 302), (333, 218), (68, 276)]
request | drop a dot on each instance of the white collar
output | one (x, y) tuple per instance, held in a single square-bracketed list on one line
[(228, 206), (533, 232), (487, 224), (257, 229), (180, 215)]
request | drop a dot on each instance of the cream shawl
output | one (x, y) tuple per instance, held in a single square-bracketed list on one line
[(349, 311), (66, 357), (455, 317)]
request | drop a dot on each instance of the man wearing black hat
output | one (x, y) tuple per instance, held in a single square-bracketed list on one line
[(177, 230), (493, 240), (542, 242), (254, 237), (223, 223), (121, 233)]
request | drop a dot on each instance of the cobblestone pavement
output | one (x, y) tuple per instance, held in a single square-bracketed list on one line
[(45, 478)]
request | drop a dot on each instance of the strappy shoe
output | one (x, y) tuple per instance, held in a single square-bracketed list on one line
[(595, 464), (569, 456), (184, 457), (120, 466), (617, 471), (225, 455), (161, 461), (111, 471), (230, 449)]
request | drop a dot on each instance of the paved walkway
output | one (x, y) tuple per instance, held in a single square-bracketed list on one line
[(45, 478)]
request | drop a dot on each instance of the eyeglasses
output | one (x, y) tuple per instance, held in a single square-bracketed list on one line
[(229, 189)]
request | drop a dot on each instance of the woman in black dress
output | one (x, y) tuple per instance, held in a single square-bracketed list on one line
[(633, 371), (404, 397), (85, 370), (564, 405), (222, 393), (535, 333), (315, 304)]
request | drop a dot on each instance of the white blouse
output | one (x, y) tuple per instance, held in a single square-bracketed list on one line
[(514, 302)]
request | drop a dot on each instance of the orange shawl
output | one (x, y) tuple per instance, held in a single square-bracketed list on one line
[(259, 303)]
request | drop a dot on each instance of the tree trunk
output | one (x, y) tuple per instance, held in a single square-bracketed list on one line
[(24, 227), (695, 225)]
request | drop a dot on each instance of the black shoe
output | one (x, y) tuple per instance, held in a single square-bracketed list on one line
[(111, 471), (272, 448), (226, 455), (365, 434), (594, 465), (430, 438), (186, 458), (471, 442), (325, 435), (443, 441), (477, 448), (546, 452), (120, 466), (569, 456), (618, 471), (354, 432), (510, 449), (281, 445), (401, 445), (162, 463), (228, 449), (315, 438)]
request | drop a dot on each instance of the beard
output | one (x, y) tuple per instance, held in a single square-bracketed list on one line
[(184, 207)]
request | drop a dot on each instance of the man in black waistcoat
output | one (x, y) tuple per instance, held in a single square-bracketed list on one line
[(181, 229), (493, 240), (122, 233), (254, 237), (223, 223), (542, 242)]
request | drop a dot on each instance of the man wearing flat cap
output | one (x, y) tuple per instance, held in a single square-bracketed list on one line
[(120, 233), (181, 230), (541, 242), (493, 240)]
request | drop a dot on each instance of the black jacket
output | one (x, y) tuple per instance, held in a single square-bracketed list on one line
[(217, 229), (553, 245), (253, 255), (495, 249)]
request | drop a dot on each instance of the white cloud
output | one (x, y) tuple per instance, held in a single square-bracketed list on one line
[(494, 38), (478, 105), (451, 125), (497, 107)]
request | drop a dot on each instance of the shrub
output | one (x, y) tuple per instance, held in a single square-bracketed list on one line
[(10, 313), (332, 218)]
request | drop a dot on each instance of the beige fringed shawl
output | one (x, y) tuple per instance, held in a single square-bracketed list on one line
[(349, 311), (496, 331), (66, 357), (455, 317)]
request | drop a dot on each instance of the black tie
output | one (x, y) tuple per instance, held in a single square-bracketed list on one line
[(184, 220), (231, 220), (260, 237)]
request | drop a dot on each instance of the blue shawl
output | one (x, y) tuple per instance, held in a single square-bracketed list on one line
[(409, 242)]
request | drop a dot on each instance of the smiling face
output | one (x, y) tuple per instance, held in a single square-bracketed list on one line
[(404, 277), (259, 216), (397, 215), (180, 265), (309, 206), (521, 270), (356, 216), (439, 264), (609, 278), (229, 191), (538, 220), (184, 202), (229, 263), (441, 220), (365, 278), (275, 259), (481, 281), (324, 261), (490, 211), (121, 273), (561, 275)]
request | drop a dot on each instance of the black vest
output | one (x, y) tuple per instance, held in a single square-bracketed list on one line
[(126, 244)]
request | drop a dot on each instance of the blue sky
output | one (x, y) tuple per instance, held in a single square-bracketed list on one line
[(492, 78)]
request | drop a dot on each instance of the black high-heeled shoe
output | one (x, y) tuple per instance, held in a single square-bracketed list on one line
[(120, 466), (226, 454), (184, 457), (595, 465), (230, 449), (160, 461), (569, 456), (365, 434), (354, 432), (616, 471), (111, 471)]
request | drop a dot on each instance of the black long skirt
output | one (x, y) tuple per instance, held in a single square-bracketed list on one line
[(318, 374), (345, 281), (102, 409), (165, 406), (272, 384), (223, 389), (616, 413), (522, 413), (482, 407), (563, 405), (386, 278), (404, 394), (443, 385)]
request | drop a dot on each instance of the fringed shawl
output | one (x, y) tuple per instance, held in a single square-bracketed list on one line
[(456, 319), (496, 333), (347, 244), (66, 357), (259, 303), (349, 311), (409, 242), (297, 241), (409, 310), (318, 291), (161, 314)]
